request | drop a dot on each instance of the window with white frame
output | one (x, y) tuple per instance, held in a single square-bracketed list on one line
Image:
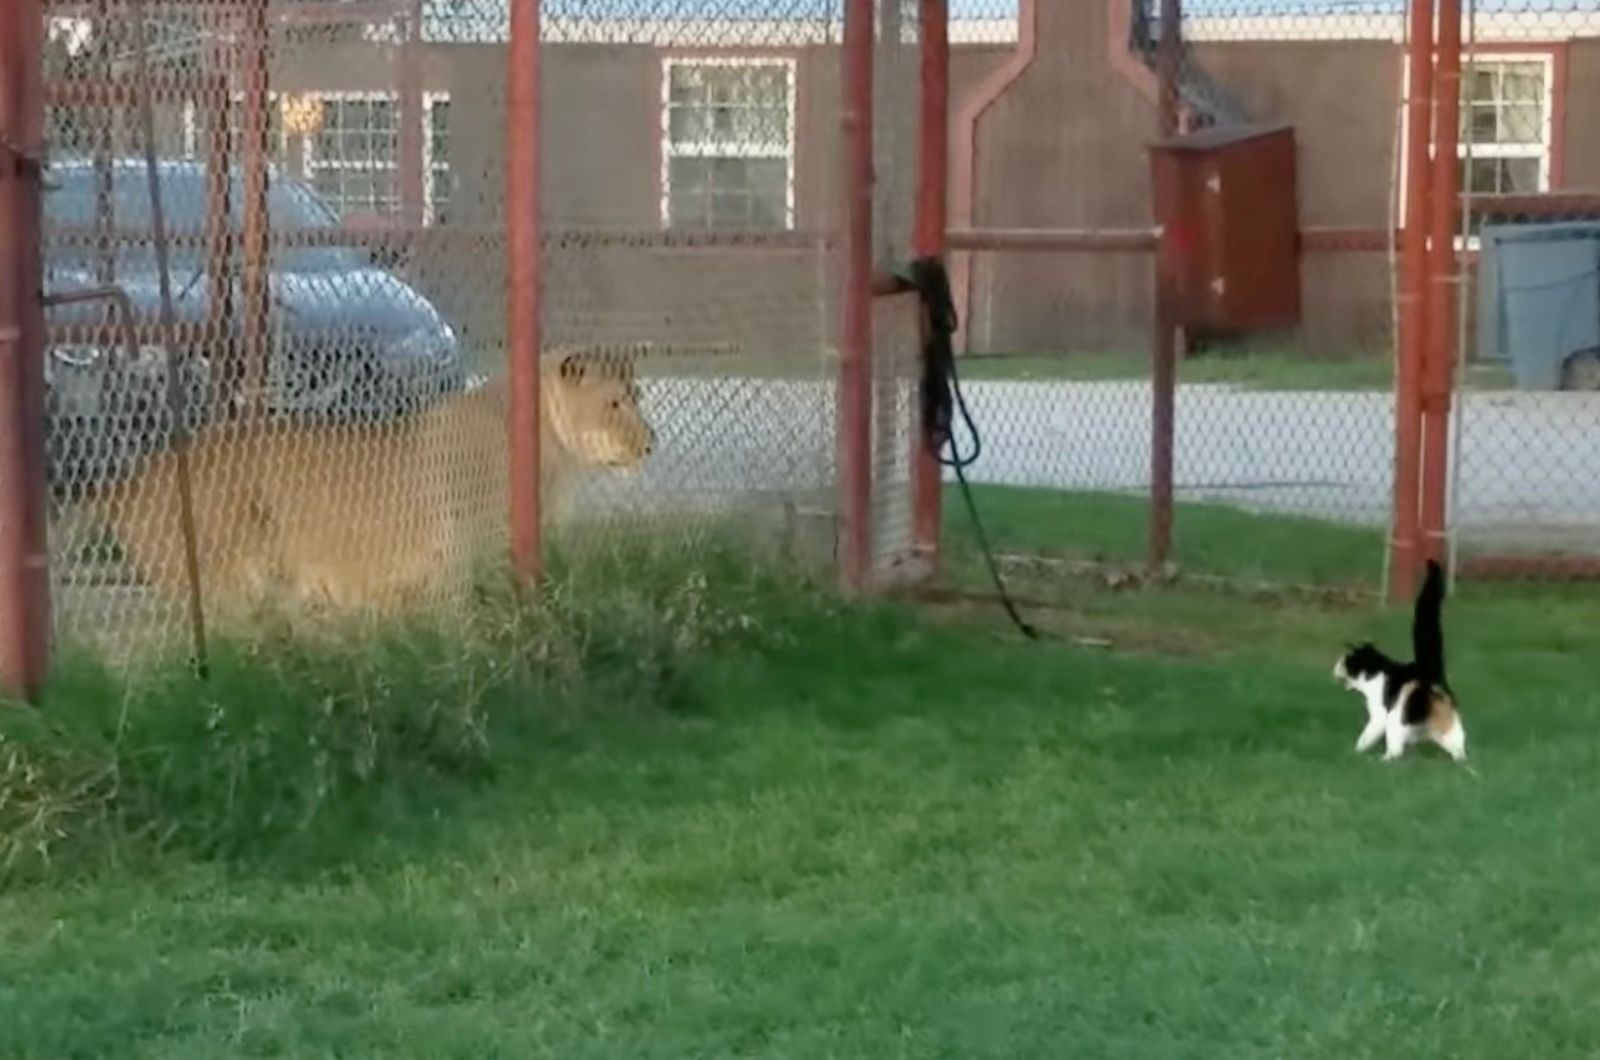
[(353, 159), (1506, 125), (728, 137), (350, 152), (277, 139), (437, 149)]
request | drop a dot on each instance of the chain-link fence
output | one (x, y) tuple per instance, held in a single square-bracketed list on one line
[(289, 223), (1279, 123), (1299, 150), (1290, 412), (1523, 498), (298, 214), (282, 198)]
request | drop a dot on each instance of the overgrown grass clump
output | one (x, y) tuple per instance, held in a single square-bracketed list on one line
[(302, 743)]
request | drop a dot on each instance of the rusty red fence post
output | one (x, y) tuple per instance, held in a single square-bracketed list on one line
[(855, 324), (1413, 297), (523, 285), (1440, 356), (24, 555), (1164, 349), (929, 241)]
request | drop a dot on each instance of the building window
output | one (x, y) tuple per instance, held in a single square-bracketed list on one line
[(1505, 118), (728, 144), (1507, 127), (353, 160), (347, 146), (437, 149)]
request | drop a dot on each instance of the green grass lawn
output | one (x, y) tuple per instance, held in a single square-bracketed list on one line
[(826, 831), (1256, 370), (1211, 539)]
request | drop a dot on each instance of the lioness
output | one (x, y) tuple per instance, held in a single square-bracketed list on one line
[(367, 517)]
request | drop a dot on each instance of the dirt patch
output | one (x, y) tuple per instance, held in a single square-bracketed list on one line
[(1072, 627), (1123, 578)]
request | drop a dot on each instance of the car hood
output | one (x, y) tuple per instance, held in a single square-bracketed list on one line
[(367, 300)]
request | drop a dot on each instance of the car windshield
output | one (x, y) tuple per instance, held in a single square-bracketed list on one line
[(70, 214)]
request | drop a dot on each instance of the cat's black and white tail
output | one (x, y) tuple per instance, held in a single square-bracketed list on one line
[(1427, 629), (1432, 706)]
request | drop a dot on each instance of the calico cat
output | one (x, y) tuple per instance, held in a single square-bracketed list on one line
[(1408, 702)]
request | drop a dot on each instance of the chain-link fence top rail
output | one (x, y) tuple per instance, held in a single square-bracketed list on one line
[(333, 185)]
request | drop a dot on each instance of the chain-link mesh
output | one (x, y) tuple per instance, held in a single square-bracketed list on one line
[(326, 295), (1523, 498), (331, 320), (331, 276), (1284, 404), (1294, 416)]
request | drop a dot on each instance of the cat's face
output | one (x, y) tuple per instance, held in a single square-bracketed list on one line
[(1359, 664)]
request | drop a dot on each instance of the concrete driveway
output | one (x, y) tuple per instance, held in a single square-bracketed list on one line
[(1526, 460)]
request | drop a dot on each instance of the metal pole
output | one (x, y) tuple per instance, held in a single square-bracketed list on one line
[(24, 546), (933, 172), (257, 294), (104, 146), (215, 114), (1413, 318), (177, 360), (1440, 359), (855, 326), (523, 285), (1164, 349)]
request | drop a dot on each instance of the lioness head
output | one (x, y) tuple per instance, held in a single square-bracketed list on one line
[(593, 402)]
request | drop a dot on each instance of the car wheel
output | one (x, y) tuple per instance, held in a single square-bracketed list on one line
[(1582, 371)]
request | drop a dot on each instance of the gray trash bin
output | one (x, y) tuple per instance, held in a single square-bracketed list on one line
[(1539, 302)]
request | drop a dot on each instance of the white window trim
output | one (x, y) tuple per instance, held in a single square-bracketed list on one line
[(727, 149), (309, 146), (1542, 151), (191, 140), (429, 99), (191, 123)]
